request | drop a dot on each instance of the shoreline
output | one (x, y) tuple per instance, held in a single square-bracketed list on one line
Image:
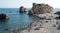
[(41, 26)]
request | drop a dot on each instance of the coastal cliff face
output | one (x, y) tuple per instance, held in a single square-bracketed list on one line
[(41, 9), (22, 9)]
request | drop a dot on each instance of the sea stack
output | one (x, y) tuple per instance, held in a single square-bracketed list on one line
[(40, 9), (22, 9), (3, 17)]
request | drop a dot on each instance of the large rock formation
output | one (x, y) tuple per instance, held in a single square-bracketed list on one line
[(40, 9), (3, 17), (22, 9)]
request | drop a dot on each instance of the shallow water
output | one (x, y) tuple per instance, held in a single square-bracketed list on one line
[(16, 19)]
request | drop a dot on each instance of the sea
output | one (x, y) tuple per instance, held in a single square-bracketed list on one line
[(16, 20)]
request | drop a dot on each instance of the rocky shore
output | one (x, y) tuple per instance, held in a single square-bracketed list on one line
[(48, 23)]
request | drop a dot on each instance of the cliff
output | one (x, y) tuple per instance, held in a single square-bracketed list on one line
[(40, 9)]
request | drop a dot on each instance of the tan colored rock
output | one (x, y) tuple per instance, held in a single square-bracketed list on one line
[(41, 9)]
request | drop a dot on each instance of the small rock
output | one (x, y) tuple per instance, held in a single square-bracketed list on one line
[(22, 9), (3, 16), (36, 28)]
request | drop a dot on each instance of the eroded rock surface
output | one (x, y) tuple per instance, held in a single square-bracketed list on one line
[(40, 9)]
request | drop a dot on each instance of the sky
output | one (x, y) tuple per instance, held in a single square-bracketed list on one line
[(27, 3)]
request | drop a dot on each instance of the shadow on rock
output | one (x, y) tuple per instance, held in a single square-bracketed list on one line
[(3, 17)]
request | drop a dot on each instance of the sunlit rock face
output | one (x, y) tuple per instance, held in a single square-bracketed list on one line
[(48, 16), (41, 9), (22, 9)]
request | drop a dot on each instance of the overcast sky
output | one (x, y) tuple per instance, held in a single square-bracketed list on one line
[(27, 3)]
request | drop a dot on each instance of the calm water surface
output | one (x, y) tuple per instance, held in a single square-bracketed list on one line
[(16, 19)]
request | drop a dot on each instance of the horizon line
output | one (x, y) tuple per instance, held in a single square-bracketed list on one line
[(9, 7)]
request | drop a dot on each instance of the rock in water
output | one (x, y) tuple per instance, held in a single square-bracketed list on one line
[(22, 9), (40, 9), (58, 14), (3, 17), (30, 12)]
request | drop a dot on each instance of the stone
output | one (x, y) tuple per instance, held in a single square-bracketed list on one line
[(30, 12), (58, 14), (3, 17), (22, 9), (37, 28), (40, 9), (14, 31)]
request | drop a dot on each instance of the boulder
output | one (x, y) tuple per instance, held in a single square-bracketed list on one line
[(30, 12), (3, 16), (22, 9), (40, 9), (58, 14)]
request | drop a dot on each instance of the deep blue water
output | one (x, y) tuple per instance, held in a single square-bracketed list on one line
[(16, 19)]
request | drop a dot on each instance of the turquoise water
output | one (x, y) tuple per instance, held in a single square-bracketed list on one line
[(16, 19)]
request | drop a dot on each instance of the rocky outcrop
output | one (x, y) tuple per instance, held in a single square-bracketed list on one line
[(30, 12), (58, 14), (22, 9), (40, 9), (43, 25), (3, 17)]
